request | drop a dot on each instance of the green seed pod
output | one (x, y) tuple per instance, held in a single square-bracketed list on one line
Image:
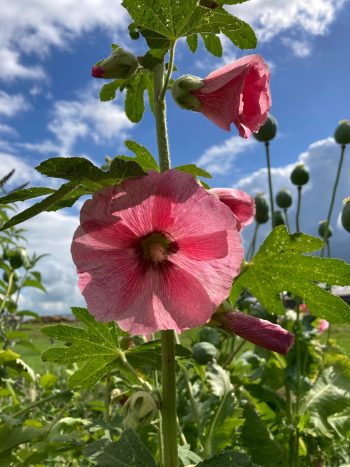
[(119, 65), (267, 131), (139, 410), (204, 352), (181, 92), (345, 215), (261, 209), (300, 175), (278, 218), (211, 335), (284, 198), (342, 133), (18, 257), (323, 232)]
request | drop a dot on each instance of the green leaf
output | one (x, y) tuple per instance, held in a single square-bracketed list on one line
[(179, 19), (218, 379), (186, 455), (260, 442), (212, 44), (47, 380), (127, 452), (109, 90), (228, 458), (340, 423), (43, 205), (143, 157), (134, 104), (26, 193), (34, 283), (75, 169), (192, 42), (11, 437), (193, 170), (279, 266), (8, 355)]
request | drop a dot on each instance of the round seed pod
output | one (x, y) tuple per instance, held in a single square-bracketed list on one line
[(204, 352), (284, 198), (300, 175), (18, 257), (278, 218), (210, 335), (261, 209), (267, 131), (323, 231), (342, 132), (345, 215)]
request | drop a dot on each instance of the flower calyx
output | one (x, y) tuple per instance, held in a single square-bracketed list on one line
[(181, 92), (140, 409), (121, 64)]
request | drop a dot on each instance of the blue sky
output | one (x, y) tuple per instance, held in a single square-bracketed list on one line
[(49, 106)]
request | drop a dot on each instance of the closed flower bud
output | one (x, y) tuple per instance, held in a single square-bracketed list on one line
[(120, 65), (345, 215), (181, 91), (342, 132), (278, 218), (258, 331), (284, 199), (267, 131), (18, 257), (323, 231), (261, 209), (140, 409), (300, 175)]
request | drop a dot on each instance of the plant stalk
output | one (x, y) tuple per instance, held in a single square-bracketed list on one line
[(268, 163), (297, 219)]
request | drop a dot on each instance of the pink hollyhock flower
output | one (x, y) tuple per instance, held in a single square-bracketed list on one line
[(304, 309), (258, 331), (157, 252), (241, 204), (237, 93), (323, 325)]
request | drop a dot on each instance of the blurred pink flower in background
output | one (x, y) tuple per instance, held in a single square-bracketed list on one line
[(237, 93), (258, 331), (304, 309), (323, 325), (241, 204), (156, 252)]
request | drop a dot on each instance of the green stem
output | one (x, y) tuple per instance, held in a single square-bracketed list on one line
[(160, 117), (7, 293), (297, 399), (298, 209), (330, 211), (286, 218), (251, 248), (164, 89), (169, 419), (268, 163), (132, 370)]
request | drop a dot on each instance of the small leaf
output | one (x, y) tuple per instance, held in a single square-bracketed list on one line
[(187, 456), (192, 42), (212, 44), (127, 452), (70, 168), (218, 380), (193, 170), (143, 157), (47, 380), (26, 193), (8, 355), (109, 90), (134, 105), (279, 266), (124, 169), (34, 283)]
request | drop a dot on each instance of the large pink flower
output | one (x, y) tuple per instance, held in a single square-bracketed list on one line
[(237, 93), (157, 252), (241, 204)]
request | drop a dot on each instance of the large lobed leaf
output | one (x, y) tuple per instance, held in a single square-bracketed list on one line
[(280, 266)]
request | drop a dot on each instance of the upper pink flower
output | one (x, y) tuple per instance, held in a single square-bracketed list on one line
[(237, 93), (323, 326), (157, 252), (258, 331), (241, 204)]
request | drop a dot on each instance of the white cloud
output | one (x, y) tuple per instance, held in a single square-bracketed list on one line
[(219, 159), (23, 172), (7, 129), (321, 158), (10, 105), (299, 48), (33, 27)]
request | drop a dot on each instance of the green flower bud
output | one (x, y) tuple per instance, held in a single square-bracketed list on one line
[(284, 198), (323, 231), (278, 218), (300, 175), (120, 65), (140, 409), (261, 209), (267, 131), (342, 132), (345, 215), (18, 257), (204, 352), (181, 92)]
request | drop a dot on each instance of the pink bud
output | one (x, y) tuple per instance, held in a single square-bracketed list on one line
[(323, 325), (97, 72), (258, 331)]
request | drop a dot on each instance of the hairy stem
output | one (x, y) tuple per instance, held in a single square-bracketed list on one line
[(268, 163), (160, 117)]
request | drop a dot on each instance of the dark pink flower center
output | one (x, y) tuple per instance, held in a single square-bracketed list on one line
[(97, 72), (155, 248)]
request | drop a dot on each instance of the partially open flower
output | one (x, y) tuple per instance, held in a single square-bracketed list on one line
[(119, 65), (237, 93), (258, 331), (241, 204), (156, 252)]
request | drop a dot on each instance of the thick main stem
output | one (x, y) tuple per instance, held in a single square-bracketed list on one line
[(330, 211), (268, 163), (168, 411)]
